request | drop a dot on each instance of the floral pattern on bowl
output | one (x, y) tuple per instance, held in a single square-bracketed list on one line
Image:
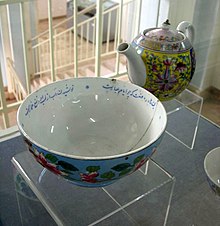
[(92, 131), (88, 174)]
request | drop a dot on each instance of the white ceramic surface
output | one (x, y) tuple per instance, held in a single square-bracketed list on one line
[(92, 120), (212, 166), (92, 131)]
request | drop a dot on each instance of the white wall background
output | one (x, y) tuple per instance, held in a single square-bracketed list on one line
[(154, 13), (58, 8), (205, 16), (2, 58)]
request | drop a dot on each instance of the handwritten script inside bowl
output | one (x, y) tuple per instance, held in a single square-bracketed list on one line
[(135, 93), (42, 99)]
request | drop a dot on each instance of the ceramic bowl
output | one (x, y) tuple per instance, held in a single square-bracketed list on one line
[(92, 131), (212, 169)]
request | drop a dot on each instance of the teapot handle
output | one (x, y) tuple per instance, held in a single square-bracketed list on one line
[(187, 29)]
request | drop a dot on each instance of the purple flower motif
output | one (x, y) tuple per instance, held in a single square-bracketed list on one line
[(154, 67), (166, 81), (180, 67)]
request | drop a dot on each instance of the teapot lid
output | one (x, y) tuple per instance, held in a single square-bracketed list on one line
[(163, 39)]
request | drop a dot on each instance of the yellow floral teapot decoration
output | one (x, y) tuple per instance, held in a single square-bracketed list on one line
[(161, 60)]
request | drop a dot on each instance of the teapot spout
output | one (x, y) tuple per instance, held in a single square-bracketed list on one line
[(136, 66)]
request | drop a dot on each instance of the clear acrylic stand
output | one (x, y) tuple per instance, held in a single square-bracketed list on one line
[(183, 127), (142, 198)]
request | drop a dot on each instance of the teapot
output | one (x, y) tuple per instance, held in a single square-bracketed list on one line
[(161, 60)]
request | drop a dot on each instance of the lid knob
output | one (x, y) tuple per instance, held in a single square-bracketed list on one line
[(166, 24)]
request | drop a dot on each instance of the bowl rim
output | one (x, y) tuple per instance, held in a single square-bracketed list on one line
[(205, 165), (133, 151)]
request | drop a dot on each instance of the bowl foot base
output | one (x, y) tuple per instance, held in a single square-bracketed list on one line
[(91, 185)]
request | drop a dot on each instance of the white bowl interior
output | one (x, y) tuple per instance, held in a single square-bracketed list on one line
[(212, 165), (91, 117), (157, 126)]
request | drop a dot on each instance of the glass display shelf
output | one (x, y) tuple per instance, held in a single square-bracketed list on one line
[(142, 198), (180, 126)]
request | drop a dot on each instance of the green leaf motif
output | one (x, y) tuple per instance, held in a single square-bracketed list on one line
[(51, 158), (138, 159), (108, 175), (93, 168), (126, 171), (67, 166), (121, 167)]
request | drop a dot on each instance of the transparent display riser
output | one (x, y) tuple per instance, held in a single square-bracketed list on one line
[(142, 198), (183, 114)]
